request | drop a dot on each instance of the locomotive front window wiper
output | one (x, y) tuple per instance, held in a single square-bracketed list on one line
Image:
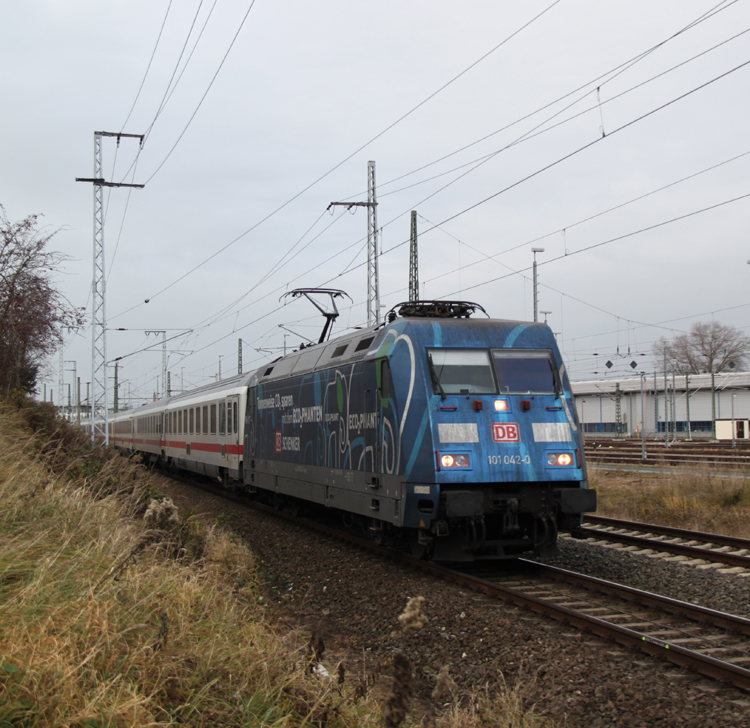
[(461, 371), (434, 377)]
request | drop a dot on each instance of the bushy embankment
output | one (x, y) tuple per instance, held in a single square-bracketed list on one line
[(107, 619), (696, 500)]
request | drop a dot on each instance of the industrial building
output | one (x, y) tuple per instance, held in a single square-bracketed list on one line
[(677, 405)]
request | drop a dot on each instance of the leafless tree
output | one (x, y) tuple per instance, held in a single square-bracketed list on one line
[(707, 347), (32, 311)]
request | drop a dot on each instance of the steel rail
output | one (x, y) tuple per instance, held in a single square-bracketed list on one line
[(682, 656), (692, 552), (702, 536)]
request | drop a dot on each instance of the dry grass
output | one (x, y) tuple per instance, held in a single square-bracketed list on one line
[(108, 618), (695, 500), (502, 706), (104, 622)]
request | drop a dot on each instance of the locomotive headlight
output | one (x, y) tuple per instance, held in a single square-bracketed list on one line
[(454, 461), (501, 405), (559, 458)]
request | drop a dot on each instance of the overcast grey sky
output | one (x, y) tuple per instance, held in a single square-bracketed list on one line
[(504, 125)]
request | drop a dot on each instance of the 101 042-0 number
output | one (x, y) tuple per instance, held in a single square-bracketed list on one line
[(509, 459)]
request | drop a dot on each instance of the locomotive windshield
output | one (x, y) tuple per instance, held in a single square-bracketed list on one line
[(461, 371), (525, 371)]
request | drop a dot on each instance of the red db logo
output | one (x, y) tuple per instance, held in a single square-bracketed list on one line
[(507, 432), (278, 441)]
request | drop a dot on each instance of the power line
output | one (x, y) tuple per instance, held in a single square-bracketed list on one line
[(348, 267), (620, 237), (346, 159), (613, 73), (616, 71), (148, 67), (586, 219), (203, 98), (586, 146), (170, 88), (582, 148)]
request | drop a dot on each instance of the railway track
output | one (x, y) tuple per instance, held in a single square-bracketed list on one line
[(694, 546), (676, 454), (713, 643)]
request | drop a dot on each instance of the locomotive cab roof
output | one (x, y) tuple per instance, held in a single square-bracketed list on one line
[(353, 347)]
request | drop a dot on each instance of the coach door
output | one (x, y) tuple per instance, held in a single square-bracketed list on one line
[(232, 424)]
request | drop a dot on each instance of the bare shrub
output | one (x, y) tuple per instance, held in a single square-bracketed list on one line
[(402, 688)]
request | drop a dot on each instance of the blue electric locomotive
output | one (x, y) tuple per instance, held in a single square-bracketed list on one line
[(453, 434)]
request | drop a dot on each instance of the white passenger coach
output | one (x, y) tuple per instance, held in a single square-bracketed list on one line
[(199, 431)]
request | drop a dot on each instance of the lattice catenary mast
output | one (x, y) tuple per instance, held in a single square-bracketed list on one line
[(99, 411), (373, 283)]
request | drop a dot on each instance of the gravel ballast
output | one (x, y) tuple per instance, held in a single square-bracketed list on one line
[(352, 600)]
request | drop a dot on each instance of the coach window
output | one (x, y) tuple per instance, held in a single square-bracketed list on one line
[(205, 420), (190, 421), (222, 415), (234, 417), (213, 419)]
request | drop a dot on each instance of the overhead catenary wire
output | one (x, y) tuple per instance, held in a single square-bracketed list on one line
[(205, 94), (532, 133), (582, 148), (567, 156), (601, 80), (540, 128), (387, 251), (148, 67), (343, 161), (589, 218), (350, 266), (167, 93), (617, 70)]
